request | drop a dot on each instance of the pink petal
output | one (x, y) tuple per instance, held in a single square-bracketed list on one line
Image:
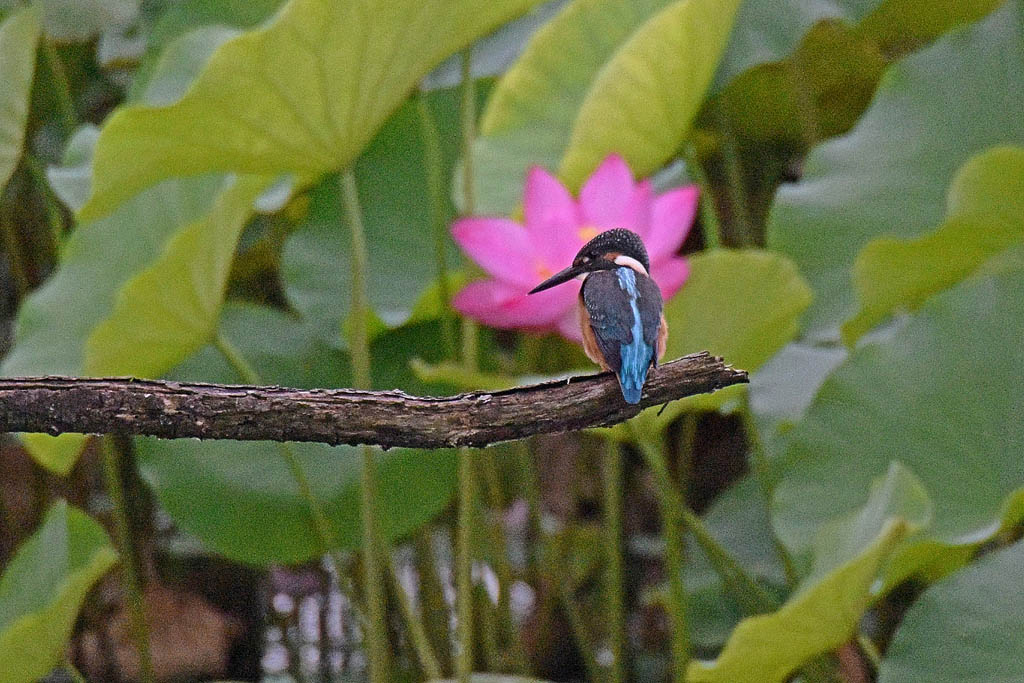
[(500, 246), (637, 213), (552, 220), (498, 305), (569, 326), (607, 193), (672, 215), (670, 274)]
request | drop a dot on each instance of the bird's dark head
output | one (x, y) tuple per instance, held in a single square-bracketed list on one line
[(610, 249)]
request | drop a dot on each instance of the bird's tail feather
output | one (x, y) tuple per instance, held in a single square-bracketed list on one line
[(631, 380)]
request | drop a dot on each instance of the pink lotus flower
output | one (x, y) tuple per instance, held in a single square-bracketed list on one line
[(518, 257)]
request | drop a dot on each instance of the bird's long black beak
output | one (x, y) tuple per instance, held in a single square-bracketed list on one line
[(558, 278)]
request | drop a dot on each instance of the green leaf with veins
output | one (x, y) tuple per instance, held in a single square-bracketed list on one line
[(240, 498), (529, 117), (985, 216), (889, 175), (181, 18), (768, 648), (170, 309), (643, 101), (327, 75), (740, 305), (928, 395), (394, 193), (110, 309)]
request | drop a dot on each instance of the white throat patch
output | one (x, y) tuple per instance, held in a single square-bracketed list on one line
[(630, 262)]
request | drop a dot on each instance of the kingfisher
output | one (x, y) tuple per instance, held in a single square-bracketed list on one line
[(620, 307)]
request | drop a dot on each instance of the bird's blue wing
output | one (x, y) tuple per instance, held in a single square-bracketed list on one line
[(624, 315)]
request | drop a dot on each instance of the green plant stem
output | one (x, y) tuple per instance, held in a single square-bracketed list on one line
[(417, 633), (752, 597), (744, 587), (762, 472), (870, 650), (502, 565), (112, 459), (62, 92), (488, 629), (580, 631), (433, 606), (321, 524), (464, 566), (236, 360), (360, 352), (672, 516), (438, 217), (467, 479), (467, 114), (614, 549), (743, 234), (706, 204), (531, 491)]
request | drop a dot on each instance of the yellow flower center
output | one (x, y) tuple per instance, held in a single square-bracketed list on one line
[(544, 272), (588, 233)]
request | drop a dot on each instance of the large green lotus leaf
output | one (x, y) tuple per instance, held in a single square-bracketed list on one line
[(927, 396), (19, 34), (743, 305), (99, 259), (327, 75), (738, 519), (986, 215), (769, 30), (896, 494), (816, 92), (181, 18), (768, 648), (241, 500), (394, 193), (969, 627), (644, 99), (529, 117), (42, 589), (821, 84), (177, 67), (901, 25), (285, 351), (136, 291), (889, 174), (782, 389), (170, 309)]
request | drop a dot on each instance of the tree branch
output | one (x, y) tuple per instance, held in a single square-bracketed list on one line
[(384, 418)]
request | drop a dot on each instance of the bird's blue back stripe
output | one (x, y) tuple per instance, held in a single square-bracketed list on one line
[(636, 356)]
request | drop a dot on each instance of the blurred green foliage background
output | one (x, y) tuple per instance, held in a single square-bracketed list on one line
[(260, 191)]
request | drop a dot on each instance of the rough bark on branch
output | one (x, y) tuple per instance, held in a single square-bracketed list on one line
[(335, 416)]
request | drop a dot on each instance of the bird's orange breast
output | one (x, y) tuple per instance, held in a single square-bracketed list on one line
[(589, 340)]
